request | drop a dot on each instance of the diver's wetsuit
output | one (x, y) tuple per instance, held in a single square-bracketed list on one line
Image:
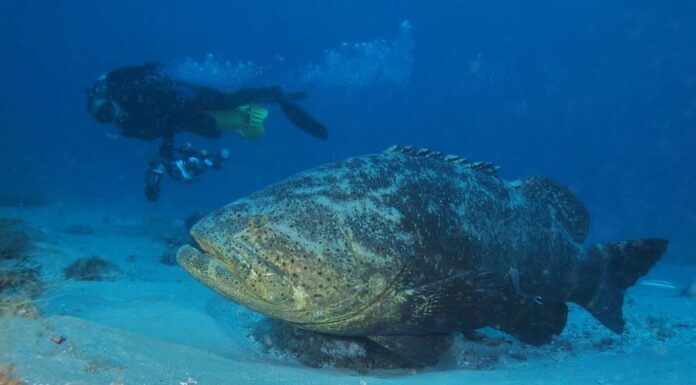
[(150, 105)]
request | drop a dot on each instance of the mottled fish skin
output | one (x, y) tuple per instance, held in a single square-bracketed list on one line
[(342, 247)]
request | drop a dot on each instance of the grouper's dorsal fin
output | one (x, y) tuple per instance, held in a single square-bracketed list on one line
[(485, 167), (568, 208)]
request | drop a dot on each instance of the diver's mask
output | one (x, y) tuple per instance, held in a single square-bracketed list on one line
[(102, 109)]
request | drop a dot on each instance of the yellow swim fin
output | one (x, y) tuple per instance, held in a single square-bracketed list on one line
[(247, 120)]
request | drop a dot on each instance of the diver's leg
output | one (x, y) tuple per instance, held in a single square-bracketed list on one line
[(260, 95), (212, 99), (298, 116)]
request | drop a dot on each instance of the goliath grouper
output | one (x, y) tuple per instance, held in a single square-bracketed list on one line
[(405, 247)]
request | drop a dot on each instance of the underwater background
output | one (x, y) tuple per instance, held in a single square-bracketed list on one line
[(600, 95)]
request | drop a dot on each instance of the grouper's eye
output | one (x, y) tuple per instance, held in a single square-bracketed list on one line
[(256, 221)]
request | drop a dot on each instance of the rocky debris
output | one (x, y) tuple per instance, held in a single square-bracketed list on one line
[(14, 239), (89, 269), (321, 350)]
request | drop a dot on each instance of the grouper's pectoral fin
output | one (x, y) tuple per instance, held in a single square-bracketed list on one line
[(533, 323), (421, 350), (438, 305), (433, 309)]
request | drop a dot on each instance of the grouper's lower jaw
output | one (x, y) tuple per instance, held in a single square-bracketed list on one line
[(213, 273), (192, 260)]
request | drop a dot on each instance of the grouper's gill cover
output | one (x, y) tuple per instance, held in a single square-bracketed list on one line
[(293, 252)]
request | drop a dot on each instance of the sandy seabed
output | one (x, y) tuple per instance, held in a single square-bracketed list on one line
[(144, 321)]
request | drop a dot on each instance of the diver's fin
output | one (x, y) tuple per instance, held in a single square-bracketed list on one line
[(302, 119), (420, 349), (608, 270), (567, 207), (247, 120), (533, 323)]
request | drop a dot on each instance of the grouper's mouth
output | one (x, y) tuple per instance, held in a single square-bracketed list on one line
[(238, 275), (209, 268)]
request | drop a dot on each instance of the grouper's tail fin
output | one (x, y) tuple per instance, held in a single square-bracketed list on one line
[(609, 270)]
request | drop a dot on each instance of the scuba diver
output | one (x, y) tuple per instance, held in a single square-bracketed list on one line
[(145, 103)]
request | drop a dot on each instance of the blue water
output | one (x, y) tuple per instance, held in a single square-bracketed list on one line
[(600, 95)]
